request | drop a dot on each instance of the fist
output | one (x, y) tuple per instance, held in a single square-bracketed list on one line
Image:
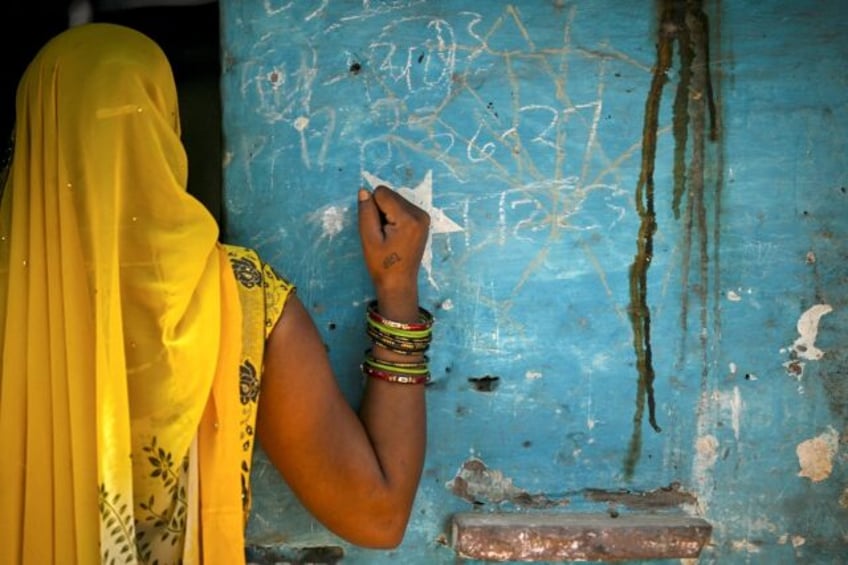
[(394, 233)]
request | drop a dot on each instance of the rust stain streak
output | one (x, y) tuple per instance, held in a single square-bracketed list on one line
[(684, 24), (640, 315)]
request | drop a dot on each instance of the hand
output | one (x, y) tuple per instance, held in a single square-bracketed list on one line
[(393, 232)]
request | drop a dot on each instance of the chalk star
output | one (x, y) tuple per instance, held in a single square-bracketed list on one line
[(422, 196)]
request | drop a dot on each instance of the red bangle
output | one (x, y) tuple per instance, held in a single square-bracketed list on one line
[(395, 377)]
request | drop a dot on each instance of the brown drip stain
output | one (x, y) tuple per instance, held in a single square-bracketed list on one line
[(683, 26)]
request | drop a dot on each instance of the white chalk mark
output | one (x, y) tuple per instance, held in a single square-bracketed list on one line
[(502, 219), (736, 411), (319, 11), (591, 422), (808, 327), (272, 10), (332, 220), (486, 150)]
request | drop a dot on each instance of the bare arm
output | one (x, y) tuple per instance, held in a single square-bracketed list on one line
[(356, 473)]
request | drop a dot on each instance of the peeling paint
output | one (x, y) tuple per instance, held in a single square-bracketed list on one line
[(476, 483), (796, 541), (663, 497), (808, 328), (816, 455), (486, 383), (707, 450), (745, 545), (301, 123), (706, 455)]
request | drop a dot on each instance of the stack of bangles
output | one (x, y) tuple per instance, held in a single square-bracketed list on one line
[(402, 338)]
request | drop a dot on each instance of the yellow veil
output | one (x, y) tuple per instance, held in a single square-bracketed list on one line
[(111, 291)]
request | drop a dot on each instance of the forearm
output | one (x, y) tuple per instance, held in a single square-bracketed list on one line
[(395, 419), (394, 414), (357, 474)]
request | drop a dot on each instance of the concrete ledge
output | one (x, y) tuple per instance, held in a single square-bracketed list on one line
[(577, 537)]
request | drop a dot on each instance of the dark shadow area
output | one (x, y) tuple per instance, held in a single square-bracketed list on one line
[(189, 35)]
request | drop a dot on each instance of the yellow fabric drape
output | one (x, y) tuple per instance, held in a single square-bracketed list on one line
[(219, 449), (111, 291)]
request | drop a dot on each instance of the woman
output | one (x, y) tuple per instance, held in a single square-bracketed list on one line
[(136, 347)]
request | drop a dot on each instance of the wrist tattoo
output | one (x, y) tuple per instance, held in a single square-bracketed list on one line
[(390, 260)]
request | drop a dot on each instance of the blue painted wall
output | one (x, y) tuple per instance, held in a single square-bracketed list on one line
[(522, 128)]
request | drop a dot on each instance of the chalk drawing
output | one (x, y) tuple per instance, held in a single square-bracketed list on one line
[(434, 95)]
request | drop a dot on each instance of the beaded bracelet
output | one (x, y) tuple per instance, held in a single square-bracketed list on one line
[(424, 324), (398, 344), (400, 337), (397, 378), (402, 367), (403, 338)]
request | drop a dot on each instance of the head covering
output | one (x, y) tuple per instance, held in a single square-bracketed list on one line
[(110, 298)]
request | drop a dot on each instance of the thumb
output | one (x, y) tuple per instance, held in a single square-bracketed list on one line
[(370, 230)]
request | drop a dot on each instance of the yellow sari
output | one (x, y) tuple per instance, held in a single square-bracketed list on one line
[(121, 435)]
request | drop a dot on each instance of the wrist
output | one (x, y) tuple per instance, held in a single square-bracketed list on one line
[(399, 346), (399, 304)]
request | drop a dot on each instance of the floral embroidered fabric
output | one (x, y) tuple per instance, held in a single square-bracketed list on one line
[(263, 294), (159, 522)]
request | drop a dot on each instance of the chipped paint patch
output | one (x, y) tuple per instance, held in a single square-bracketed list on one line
[(477, 483), (301, 123), (796, 541), (664, 497), (808, 328), (745, 545), (816, 455), (707, 449), (843, 500), (736, 294), (706, 455)]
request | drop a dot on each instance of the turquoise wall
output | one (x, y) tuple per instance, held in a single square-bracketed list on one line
[(637, 261)]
